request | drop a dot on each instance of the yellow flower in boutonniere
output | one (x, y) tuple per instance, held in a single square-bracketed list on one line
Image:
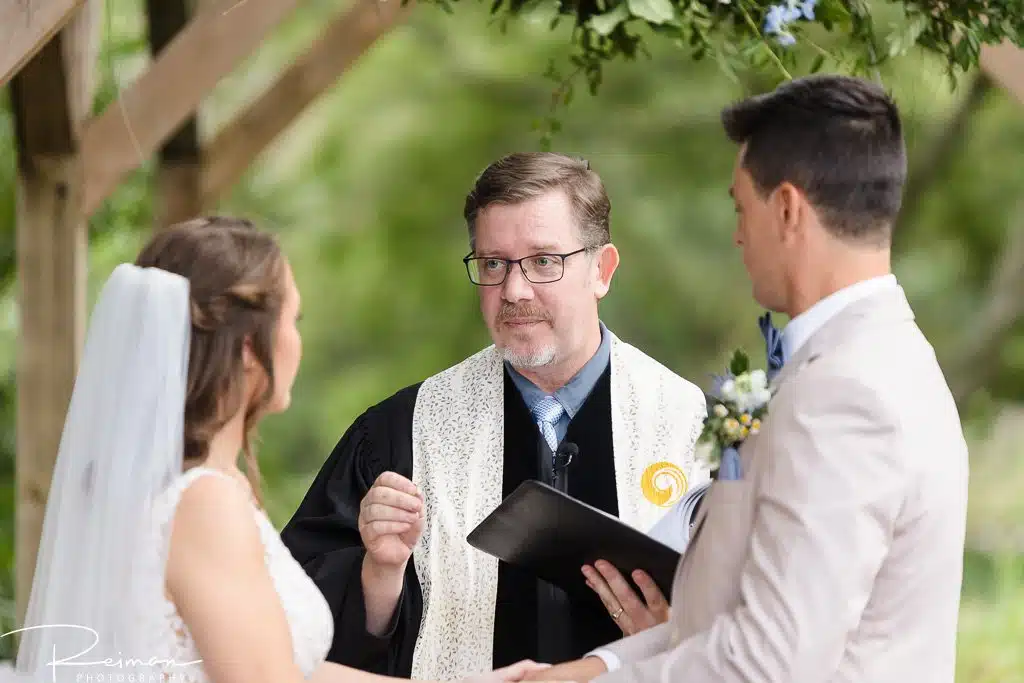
[(740, 402)]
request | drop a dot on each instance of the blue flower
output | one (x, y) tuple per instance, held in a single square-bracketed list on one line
[(780, 16), (775, 19), (717, 383)]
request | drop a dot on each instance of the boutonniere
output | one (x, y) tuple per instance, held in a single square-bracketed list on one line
[(738, 403)]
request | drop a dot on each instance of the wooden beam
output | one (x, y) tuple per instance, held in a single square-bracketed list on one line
[(180, 169), (344, 41), (49, 99), (25, 27), (1005, 64), (129, 131)]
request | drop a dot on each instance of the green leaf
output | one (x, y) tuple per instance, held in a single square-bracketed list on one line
[(604, 24), (900, 43), (974, 42), (897, 44), (654, 11), (740, 363), (962, 54), (818, 63), (831, 11), (918, 26)]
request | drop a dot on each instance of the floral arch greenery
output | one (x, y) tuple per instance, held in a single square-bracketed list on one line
[(787, 36)]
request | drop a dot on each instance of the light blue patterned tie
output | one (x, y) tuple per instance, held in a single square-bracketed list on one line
[(547, 411)]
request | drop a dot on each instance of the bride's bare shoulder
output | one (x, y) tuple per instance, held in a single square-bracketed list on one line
[(214, 525)]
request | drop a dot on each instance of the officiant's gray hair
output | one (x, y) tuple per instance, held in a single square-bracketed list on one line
[(523, 176)]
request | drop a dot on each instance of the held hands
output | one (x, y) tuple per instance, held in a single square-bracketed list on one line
[(622, 602), (391, 521), (578, 671), (525, 670)]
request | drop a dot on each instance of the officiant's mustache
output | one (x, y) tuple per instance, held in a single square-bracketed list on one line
[(517, 313)]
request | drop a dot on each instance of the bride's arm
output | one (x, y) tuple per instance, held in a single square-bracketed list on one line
[(217, 579)]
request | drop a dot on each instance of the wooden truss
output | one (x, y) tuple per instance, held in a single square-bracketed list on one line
[(71, 161)]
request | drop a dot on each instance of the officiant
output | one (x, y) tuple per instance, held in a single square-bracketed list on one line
[(382, 529)]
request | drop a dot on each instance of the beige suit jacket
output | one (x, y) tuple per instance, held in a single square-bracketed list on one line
[(839, 555)]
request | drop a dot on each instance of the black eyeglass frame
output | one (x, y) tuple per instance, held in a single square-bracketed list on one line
[(519, 261)]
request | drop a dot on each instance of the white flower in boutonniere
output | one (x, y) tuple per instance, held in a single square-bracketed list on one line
[(738, 405)]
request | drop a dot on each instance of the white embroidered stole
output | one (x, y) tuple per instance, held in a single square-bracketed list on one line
[(458, 435)]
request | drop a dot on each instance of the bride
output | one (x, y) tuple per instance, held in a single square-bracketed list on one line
[(157, 562)]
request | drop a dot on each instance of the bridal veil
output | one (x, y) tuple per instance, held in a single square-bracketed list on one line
[(121, 446)]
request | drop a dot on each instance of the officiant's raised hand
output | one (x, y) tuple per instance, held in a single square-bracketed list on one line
[(390, 525), (391, 520), (623, 604)]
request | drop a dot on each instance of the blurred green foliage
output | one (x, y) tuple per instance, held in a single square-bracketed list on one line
[(366, 190), (783, 36)]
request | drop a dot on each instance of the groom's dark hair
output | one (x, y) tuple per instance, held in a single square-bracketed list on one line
[(838, 139)]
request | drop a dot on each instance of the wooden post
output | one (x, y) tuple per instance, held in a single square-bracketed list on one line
[(180, 169), (51, 96)]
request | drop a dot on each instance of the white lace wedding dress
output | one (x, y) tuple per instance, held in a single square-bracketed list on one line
[(165, 636)]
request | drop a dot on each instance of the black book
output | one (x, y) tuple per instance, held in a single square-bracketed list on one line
[(552, 535)]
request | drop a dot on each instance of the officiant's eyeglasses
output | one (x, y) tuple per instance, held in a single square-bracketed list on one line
[(489, 271)]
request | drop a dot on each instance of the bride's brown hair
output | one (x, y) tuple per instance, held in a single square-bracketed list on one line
[(236, 278)]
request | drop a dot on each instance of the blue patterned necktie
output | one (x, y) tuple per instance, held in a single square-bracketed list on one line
[(547, 411), (773, 345)]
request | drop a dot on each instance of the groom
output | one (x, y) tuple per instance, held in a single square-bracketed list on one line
[(836, 553)]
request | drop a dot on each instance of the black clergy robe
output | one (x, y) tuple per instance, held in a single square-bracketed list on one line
[(533, 619)]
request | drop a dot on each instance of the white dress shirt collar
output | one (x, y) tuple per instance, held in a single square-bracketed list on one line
[(803, 327)]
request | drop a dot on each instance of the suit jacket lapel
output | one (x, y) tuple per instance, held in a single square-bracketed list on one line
[(746, 455), (720, 535), (884, 307)]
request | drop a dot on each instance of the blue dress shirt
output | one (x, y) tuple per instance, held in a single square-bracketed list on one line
[(574, 393)]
